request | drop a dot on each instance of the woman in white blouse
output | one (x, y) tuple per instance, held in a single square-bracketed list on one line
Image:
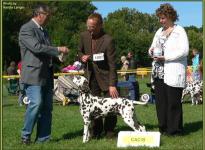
[(169, 50)]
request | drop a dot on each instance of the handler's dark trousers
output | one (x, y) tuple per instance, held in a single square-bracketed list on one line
[(110, 120), (169, 108)]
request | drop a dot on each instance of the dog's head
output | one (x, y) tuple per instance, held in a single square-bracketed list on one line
[(82, 83)]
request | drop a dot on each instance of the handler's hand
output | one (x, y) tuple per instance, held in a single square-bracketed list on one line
[(63, 49), (150, 51), (159, 58), (85, 58), (113, 92)]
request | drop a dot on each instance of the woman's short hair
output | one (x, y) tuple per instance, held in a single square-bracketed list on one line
[(96, 16), (167, 10)]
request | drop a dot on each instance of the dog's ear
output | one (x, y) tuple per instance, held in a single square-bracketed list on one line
[(85, 87), (78, 77)]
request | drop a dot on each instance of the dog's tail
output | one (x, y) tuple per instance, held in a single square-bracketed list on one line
[(140, 102)]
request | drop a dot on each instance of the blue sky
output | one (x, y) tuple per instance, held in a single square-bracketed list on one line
[(190, 13)]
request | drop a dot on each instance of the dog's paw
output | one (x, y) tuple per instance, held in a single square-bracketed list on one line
[(85, 141), (142, 128)]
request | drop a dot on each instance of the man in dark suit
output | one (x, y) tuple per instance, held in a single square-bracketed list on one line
[(97, 52), (37, 74)]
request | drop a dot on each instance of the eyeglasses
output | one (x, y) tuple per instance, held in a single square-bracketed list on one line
[(44, 13), (91, 27)]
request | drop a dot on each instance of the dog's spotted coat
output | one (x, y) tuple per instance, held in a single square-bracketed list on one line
[(195, 90), (93, 107)]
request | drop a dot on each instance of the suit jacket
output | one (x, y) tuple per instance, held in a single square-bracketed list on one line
[(105, 70), (36, 54)]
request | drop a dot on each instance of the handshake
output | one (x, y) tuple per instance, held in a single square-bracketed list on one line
[(63, 51)]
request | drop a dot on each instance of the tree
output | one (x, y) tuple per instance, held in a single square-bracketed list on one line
[(132, 30)]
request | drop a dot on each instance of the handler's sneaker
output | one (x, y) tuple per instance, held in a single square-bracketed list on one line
[(25, 141)]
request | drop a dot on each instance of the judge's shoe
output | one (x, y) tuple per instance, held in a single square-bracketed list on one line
[(25, 141)]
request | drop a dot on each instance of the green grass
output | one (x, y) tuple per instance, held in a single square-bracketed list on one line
[(67, 127)]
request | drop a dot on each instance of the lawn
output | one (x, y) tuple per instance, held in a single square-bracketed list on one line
[(67, 127)]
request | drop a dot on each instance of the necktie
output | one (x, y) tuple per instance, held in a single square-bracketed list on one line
[(41, 28), (44, 33)]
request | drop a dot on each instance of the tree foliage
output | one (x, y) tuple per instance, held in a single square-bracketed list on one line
[(132, 31)]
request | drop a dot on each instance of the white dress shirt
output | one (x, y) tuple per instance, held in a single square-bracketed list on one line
[(37, 24)]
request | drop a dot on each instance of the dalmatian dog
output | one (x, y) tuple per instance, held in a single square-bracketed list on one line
[(92, 107), (195, 90)]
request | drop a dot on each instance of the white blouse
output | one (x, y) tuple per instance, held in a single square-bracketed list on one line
[(175, 53)]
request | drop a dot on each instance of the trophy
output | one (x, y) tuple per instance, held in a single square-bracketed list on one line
[(157, 52)]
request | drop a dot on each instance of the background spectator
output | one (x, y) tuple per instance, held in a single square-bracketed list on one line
[(132, 77), (195, 65), (12, 70), (12, 82), (125, 65)]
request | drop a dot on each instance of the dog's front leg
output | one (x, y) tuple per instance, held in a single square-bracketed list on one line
[(86, 134)]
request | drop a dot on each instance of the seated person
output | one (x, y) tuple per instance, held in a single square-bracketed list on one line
[(13, 82)]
